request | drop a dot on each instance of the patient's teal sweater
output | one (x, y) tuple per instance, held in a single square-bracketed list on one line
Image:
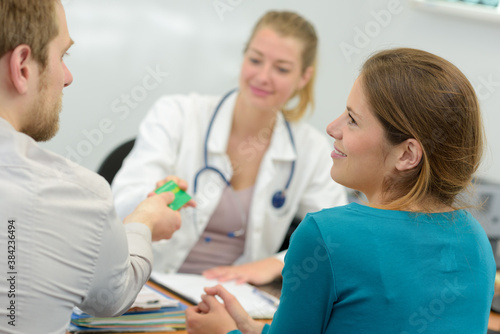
[(357, 269)]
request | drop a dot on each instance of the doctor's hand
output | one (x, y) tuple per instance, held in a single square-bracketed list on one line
[(155, 214), (180, 182), (228, 315), (258, 272)]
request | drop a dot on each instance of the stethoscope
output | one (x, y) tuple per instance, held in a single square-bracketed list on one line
[(279, 197)]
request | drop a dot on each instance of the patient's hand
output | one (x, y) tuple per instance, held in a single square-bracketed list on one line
[(258, 272), (210, 316)]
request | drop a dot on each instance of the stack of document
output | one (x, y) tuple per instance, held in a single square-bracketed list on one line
[(151, 312), (258, 304)]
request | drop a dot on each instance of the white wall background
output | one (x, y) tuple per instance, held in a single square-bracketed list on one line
[(129, 52)]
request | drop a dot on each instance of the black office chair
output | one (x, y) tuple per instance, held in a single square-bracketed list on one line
[(295, 223), (110, 166)]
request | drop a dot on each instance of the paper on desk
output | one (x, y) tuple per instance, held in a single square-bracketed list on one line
[(150, 299), (151, 312), (258, 304)]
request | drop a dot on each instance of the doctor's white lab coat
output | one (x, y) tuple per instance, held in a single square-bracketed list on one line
[(171, 141)]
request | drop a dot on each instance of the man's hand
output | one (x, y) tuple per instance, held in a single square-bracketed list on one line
[(180, 182), (155, 213)]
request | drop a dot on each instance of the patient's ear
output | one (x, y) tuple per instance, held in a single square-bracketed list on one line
[(20, 69), (410, 154)]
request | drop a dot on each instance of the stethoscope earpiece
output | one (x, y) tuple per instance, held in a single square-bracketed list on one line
[(279, 199)]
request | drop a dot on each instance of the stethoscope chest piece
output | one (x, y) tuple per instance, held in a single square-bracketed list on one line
[(278, 199)]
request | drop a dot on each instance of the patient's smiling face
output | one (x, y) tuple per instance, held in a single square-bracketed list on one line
[(363, 156)]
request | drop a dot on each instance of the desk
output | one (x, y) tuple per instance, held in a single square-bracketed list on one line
[(493, 324), (185, 302), (271, 288)]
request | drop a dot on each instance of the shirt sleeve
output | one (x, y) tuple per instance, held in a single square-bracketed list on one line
[(308, 292), (123, 267), (280, 256)]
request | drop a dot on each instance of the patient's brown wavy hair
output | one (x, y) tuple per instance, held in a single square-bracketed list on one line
[(416, 94)]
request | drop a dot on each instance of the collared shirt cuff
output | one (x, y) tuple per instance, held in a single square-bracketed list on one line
[(139, 240)]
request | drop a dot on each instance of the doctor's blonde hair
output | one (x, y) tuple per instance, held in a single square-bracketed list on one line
[(290, 24)]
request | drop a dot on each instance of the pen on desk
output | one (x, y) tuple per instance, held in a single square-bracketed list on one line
[(268, 298)]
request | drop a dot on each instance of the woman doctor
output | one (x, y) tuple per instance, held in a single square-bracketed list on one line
[(252, 166)]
